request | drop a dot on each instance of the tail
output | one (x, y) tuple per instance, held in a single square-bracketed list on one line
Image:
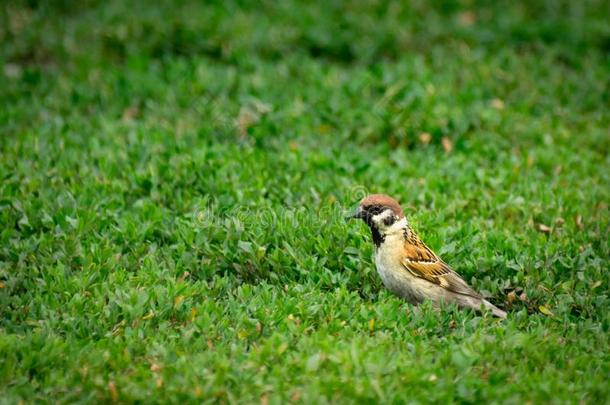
[(495, 310), (479, 304)]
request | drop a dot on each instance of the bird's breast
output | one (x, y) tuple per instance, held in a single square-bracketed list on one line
[(388, 260)]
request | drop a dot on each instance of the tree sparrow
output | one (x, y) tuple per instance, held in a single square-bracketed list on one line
[(408, 267)]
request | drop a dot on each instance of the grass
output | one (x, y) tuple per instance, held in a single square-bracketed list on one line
[(174, 178)]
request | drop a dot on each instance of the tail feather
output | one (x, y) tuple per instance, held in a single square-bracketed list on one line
[(479, 304), (495, 310)]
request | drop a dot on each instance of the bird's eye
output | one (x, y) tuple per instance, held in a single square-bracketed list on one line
[(375, 209)]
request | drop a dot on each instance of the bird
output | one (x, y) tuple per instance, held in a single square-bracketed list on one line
[(409, 268)]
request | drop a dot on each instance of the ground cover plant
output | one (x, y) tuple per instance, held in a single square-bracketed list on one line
[(174, 178)]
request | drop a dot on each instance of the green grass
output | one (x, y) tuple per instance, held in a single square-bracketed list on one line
[(174, 177)]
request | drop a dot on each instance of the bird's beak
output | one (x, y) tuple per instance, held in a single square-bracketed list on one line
[(355, 215)]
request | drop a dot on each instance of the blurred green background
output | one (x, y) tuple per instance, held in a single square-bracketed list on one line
[(174, 177)]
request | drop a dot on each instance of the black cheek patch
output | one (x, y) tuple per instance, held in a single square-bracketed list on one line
[(389, 220)]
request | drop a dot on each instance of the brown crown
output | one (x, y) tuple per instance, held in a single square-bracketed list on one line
[(383, 200)]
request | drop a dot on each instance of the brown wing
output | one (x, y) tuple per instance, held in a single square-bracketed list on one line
[(421, 262)]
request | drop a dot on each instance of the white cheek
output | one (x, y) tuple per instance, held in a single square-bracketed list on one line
[(380, 218), (398, 226)]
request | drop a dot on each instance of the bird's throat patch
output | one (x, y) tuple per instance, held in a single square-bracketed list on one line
[(378, 238)]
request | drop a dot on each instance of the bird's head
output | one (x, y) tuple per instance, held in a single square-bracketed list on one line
[(379, 212)]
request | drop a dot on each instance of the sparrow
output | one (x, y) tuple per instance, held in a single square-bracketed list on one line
[(408, 267)]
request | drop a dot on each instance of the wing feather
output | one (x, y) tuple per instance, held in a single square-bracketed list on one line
[(422, 262)]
